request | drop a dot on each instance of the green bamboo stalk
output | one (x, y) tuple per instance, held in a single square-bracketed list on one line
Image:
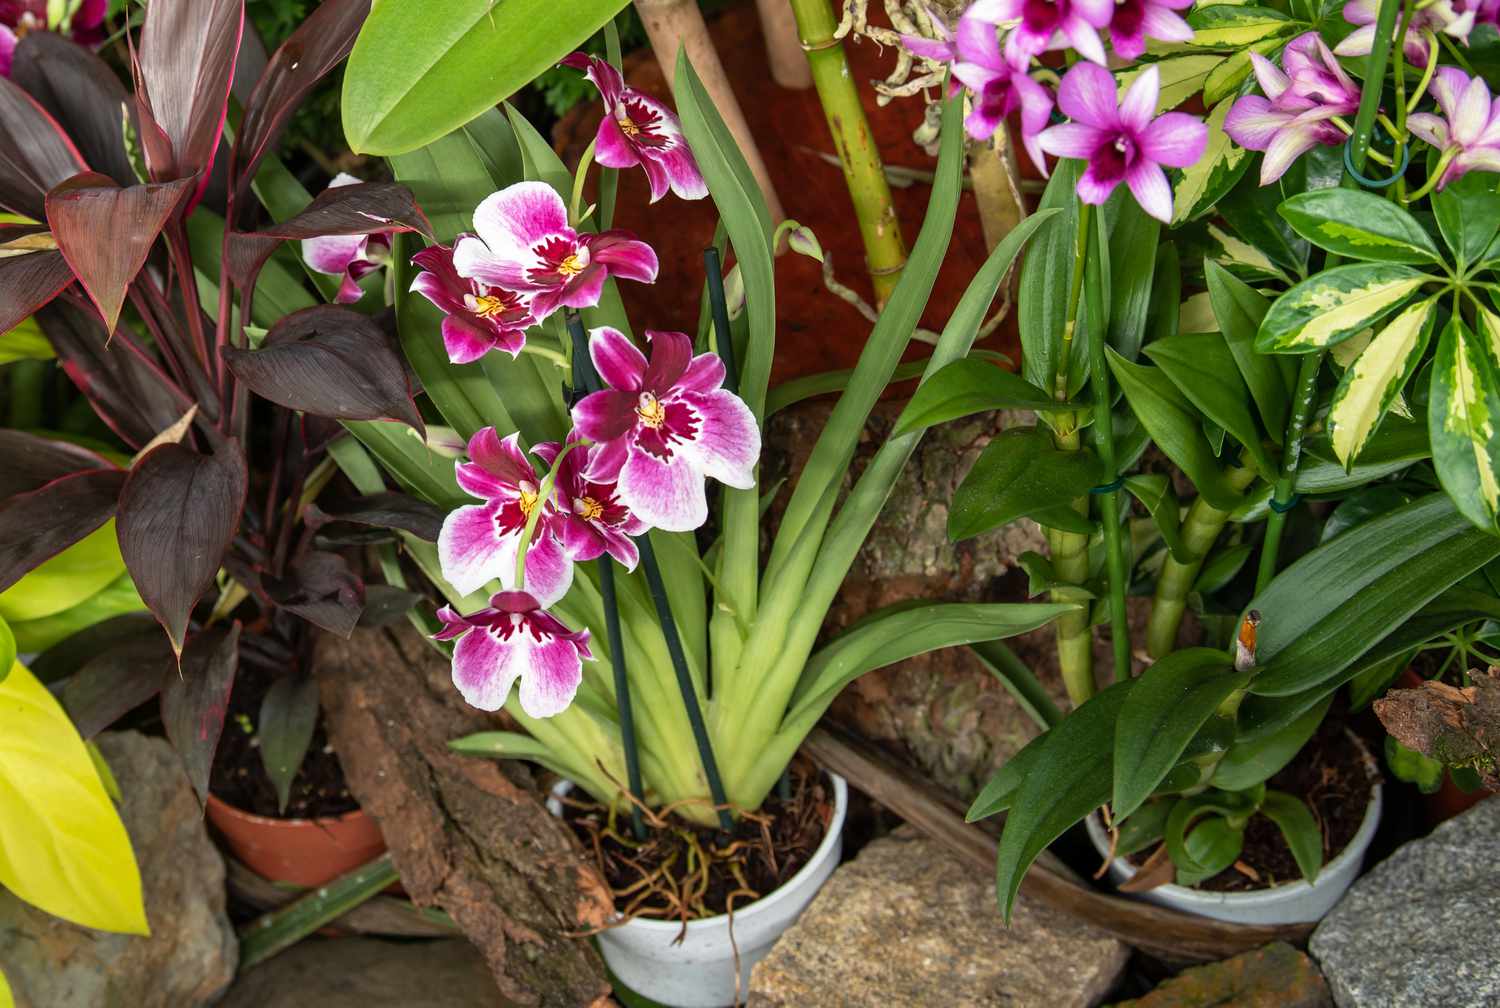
[(280, 929), (864, 174)]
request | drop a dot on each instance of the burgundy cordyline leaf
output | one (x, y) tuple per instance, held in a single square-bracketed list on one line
[(330, 361), (382, 510), (317, 46), (28, 280), (35, 154), (83, 94), (106, 232), (29, 462), (184, 68), (178, 512), (322, 590), (195, 698), (127, 670), (133, 397), (40, 524)]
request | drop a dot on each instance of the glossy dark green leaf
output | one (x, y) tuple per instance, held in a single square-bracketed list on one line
[(1221, 567), (1249, 763), (1042, 293), (1154, 491), (1144, 828), (1000, 792), (1468, 214), (1166, 293), (1206, 372), (1019, 473), (966, 387), (1207, 849), (1240, 309), (288, 715), (1303, 835), (1132, 256), (1359, 225)]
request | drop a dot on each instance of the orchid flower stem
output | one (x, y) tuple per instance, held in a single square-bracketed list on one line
[(1435, 176), (544, 352), (1398, 129), (543, 494), (713, 268), (684, 679), (622, 692), (575, 205), (1421, 89)]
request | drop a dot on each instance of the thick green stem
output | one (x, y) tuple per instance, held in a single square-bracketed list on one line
[(1200, 528), (864, 174)]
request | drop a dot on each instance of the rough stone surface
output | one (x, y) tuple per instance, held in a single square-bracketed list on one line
[(1273, 976), (906, 924), (1419, 930), (367, 973), (191, 954)]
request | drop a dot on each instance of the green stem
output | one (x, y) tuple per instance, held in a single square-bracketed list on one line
[(1286, 485), (575, 205), (864, 174)]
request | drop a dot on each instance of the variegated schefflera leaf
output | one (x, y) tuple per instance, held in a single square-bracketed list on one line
[(1360, 225), (1201, 184), (1463, 417), (1374, 378), (1336, 304)]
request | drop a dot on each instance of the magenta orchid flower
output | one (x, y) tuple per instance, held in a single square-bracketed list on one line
[(639, 130), (1468, 131), (1123, 143), (1300, 103), (515, 638), (1040, 25), (479, 542), (1134, 21), (477, 318), (525, 245), (18, 17), (349, 256), (591, 519), (1456, 18), (664, 425)]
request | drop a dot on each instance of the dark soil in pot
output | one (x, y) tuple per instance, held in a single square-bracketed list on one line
[(654, 878)]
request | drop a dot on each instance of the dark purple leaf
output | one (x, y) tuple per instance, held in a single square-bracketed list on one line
[(195, 698), (383, 510), (185, 66), (80, 91), (385, 604), (330, 361), (121, 675), (106, 232), (28, 280), (318, 45), (322, 590), (29, 462), (40, 524), (134, 398), (178, 512), (35, 153), (288, 715)]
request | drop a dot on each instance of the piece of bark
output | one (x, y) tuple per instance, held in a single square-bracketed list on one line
[(468, 836), (1456, 727)]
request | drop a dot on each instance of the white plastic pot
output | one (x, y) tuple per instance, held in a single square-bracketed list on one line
[(1298, 902), (698, 972)]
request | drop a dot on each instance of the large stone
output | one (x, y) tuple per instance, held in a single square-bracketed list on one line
[(191, 954), (367, 973), (906, 924), (1272, 976), (1419, 930)]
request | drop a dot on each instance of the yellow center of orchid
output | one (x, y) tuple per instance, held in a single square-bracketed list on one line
[(528, 501), (571, 266), (487, 306), (589, 509), (652, 413), (628, 126)]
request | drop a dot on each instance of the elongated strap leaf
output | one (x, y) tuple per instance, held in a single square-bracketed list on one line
[(288, 715), (1204, 369), (1000, 791), (195, 698), (966, 387), (1303, 834), (35, 153), (29, 461), (77, 87), (39, 524), (1239, 309), (187, 55), (1019, 473), (28, 282)]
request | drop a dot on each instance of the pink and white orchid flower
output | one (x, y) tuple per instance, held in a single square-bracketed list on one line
[(639, 130), (1039, 25), (479, 542), (1455, 18), (1134, 21), (515, 638), (85, 25), (477, 318), (591, 519), (664, 425), (1300, 103), (349, 256), (1468, 131), (524, 244), (1123, 143)]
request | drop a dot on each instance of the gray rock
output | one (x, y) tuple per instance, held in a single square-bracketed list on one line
[(1419, 930), (367, 973), (191, 954), (906, 924)]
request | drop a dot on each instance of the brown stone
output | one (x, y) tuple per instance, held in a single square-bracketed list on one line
[(1273, 976), (907, 924), (367, 973)]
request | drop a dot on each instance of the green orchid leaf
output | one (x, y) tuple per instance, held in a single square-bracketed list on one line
[(1248, 763), (1463, 415), (1371, 384), (1239, 309), (964, 388), (1212, 846), (1043, 287), (1205, 371), (1335, 304), (1019, 473), (1145, 827), (999, 793), (1301, 830), (1154, 491), (1360, 225), (1133, 242), (1221, 567)]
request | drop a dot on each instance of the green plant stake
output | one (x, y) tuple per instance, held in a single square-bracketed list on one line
[(276, 931)]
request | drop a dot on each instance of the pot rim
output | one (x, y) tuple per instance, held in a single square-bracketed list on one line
[(831, 836), (266, 822), (1355, 848)]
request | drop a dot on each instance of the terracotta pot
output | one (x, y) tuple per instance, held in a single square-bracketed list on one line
[(302, 852), (1449, 800)]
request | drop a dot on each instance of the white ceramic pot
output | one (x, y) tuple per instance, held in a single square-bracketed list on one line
[(698, 972), (1298, 902)]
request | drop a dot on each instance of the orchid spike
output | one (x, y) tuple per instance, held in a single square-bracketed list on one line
[(1468, 131), (85, 25), (1134, 21), (349, 256), (639, 130), (524, 244), (664, 425), (515, 638), (478, 542), (1039, 25), (592, 521), (1123, 143), (477, 317)]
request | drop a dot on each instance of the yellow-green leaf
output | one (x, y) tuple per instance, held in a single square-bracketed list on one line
[(1375, 378), (106, 775), (66, 579), (1463, 407), (63, 847), (1181, 77), (1224, 80), (1212, 175), (1335, 305), (37, 635), (1234, 26), (25, 342)]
